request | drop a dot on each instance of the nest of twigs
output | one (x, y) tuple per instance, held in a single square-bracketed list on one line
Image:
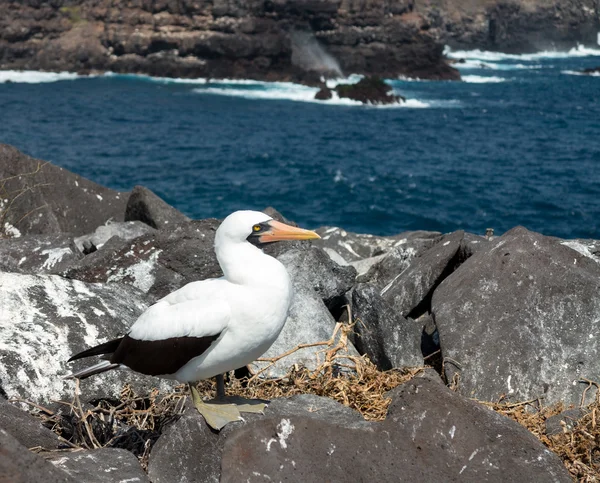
[(135, 422)]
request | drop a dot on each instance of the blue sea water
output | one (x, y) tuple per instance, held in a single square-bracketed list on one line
[(518, 142)]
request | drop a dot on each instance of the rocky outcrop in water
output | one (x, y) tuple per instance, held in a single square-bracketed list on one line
[(514, 317)]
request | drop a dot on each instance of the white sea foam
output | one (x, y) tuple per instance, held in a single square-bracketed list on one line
[(579, 51), (35, 77), (576, 72), (479, 64), (480, 79)]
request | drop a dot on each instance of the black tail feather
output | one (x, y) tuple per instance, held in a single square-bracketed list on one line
[(106, 348)]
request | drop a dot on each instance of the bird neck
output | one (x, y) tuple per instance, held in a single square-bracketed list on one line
[(245, 264)]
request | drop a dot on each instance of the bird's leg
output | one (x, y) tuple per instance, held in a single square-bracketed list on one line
[(243, 405), (216, 414)]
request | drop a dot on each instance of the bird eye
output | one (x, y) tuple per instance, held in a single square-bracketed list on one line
[(256, 228)]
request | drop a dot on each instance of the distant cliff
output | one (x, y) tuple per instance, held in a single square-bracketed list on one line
[(278, 39)]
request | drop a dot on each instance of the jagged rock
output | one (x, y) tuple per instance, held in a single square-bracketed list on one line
[(104, 465), (381, 332), (145, 206), (316, 280), (354, 247), (189, 451), (45, 319), (57, 200), (223, 39), (430, 434), (38, 253), (521, 319), (25, 428), (323, 94), (411, 288), (156, 263), (127, 230), (591, 71), (369, 90), (18, 464)]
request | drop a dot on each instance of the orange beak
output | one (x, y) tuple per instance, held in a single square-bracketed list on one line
[(281, 231)]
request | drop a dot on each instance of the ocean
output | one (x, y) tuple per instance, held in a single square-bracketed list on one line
[(516, 143)]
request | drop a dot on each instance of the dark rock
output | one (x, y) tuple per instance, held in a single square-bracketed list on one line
[(362, 251), (317, 280), (46, 319), (430, 434), (104, 465), (381, 332), (126, 231), (18, 464), (409, 291), (38, 253), (223, 39), (323, 94), (591, 71), (521, 319), (189, 451), (25, 428), (145, 206), (156, 263), (565, 421), (43, 198), (369, 90)]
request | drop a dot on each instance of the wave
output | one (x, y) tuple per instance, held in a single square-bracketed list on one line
[(292, 92), (479, 64), (576, 72), (480, 79), (484, 55), (36, 77)]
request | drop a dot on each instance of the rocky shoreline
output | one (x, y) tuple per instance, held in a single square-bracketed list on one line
[(513, 318), (298, 40)]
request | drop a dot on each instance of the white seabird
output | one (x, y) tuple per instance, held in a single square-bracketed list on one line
[(213, 326)]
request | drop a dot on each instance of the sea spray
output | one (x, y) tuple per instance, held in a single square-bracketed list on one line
[(309, 55)]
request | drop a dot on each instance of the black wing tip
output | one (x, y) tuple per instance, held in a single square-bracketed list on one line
[(106, 348)]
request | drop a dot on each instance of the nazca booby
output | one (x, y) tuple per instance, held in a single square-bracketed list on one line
[(213, 326)]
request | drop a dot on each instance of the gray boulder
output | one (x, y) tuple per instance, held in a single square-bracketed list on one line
[(41, 198), (127, 230), (38, 253), (352, 247), (24, 427), (189, 451), (430, 434), (145, 206), (382, 333), (316, 280), (522, 319), (104, 465), (410, 289), (18, 464), (45, 319), (156, 263)]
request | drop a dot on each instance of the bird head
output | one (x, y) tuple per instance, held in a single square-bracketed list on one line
[(258, 228)]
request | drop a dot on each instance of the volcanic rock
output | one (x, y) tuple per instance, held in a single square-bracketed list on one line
[(25, 428), (369, 90), (591, 71), (147, 207), (40, 198), (18, 464), (156, 263), (521, 319), (104, 465), (126, 231), (323, 94), (36, 254), (382, 333), (45, 319), (429, 434)]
